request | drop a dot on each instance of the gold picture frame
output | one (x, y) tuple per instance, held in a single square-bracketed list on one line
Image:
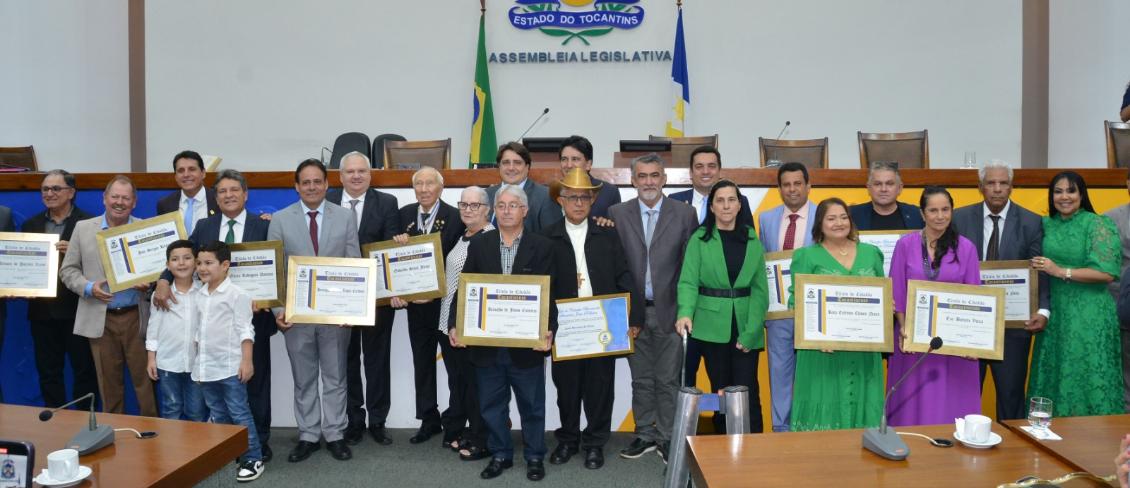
[(280, 269), (292, 274), (52, 286), (498, 279), (800, 325), (627, 297), (112, 280), (782, 290), (441, 276), (1033, 286), (912, 289)]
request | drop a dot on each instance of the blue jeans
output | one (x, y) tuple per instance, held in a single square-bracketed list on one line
[(180, 397), (494, 384), (227, 399)]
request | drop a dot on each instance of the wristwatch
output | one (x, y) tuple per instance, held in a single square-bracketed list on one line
[(1067, 275)]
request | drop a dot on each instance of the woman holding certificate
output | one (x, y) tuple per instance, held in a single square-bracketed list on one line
[(943, 387), (723, 296), (1076, 360), (836, 389)]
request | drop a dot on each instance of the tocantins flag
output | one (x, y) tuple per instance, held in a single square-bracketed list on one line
[(483, 142), (681, 85)]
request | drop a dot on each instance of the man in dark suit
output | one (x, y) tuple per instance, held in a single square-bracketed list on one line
[(235, 225), (197, 206), (706, 170), (884, 211), (428, 215), (53, 319), (377, 220), (1003, 230), (654, 251), (576, 152), (514, 167), (511, 250), (590, 262)]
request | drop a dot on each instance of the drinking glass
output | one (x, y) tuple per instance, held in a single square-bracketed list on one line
[(970, 160), (1040, 413)]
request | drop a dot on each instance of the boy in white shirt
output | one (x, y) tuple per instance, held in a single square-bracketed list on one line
[(169, 341), (224, 337)]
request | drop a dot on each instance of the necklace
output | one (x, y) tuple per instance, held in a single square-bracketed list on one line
[(840, 251)]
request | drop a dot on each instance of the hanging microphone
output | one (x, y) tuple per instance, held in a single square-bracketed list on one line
[(543, 112), (883, 441)]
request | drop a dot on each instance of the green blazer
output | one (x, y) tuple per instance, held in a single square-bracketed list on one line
[(704, 264)]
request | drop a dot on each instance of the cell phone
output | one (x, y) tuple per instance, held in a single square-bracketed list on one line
[(17, 464)]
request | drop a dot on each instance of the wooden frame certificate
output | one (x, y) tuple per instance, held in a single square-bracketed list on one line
[(336, 291), (257, 268), (413, 271), (777, 272), (502, 310), (1021, 287), (29, 264), (593, 326), (885, 240), (968, 318), (844, 313), (134, 253)]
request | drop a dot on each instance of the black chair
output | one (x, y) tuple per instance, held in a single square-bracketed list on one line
[(379, 148), (347, 143)]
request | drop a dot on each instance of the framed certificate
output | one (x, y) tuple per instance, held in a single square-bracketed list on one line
[(884, 240), (331, 290), (844, 313), (592, 326), (412, 272), (257, 268), (502, 310), (29, 264), (777, 265), (134, 253), (968, 318), (1020, 285)]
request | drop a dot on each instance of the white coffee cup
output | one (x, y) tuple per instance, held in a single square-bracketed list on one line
[(977, 428), (62, 465)]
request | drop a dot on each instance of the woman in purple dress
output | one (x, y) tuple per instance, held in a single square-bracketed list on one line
[(943, 387)]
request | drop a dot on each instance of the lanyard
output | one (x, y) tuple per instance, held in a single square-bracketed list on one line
[(927, 269)]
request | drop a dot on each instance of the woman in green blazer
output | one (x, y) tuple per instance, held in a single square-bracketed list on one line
[(723, 295)]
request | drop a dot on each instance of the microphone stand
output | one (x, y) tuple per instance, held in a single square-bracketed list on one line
[(90, 439), (883, 441)]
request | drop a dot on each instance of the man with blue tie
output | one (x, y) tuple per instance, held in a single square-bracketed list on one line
[(783, 228), (194, 204)]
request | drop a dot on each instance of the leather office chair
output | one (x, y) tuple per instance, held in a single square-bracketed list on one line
[(347, 143), (379, 148), (909, 149), (812, 153), (682, 147), (1117, 144), (417, 154)]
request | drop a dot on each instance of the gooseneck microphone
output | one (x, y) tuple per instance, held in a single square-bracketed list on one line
[(542, 114), (881, 440), (783, 129), (90, 439), (774, 159)]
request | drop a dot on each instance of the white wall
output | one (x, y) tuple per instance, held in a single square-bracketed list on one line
[(1088, 71), (64, 87)]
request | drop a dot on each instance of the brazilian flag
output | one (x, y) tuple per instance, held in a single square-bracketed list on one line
[(483, 142)]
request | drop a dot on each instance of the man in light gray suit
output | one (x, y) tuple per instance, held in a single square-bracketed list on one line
[(315, 227), (514, 167), (654, 230), (1003, 230), (1121, 217)]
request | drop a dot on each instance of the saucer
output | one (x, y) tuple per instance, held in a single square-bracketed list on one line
[(994, 439), (45, 479)]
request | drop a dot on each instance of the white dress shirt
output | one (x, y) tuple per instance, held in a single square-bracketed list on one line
[(224, 323), (170, 333), (577, 235), (199, 205), (240, 221), (347, 201), (699, 204), (319, 218)]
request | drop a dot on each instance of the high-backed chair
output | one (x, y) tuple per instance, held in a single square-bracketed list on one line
[(1117, 144), (812, 153), (347, 143), (417, 154), (379, 148), (682, 147), (909, 149), (19, 157)]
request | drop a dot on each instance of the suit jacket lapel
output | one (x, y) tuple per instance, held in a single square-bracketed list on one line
[(979, 229), (636, 224), (1010, 232), (522, 257), (665, 218)]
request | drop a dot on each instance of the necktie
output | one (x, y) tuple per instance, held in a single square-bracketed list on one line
[(189, 212), (425, 226), (790, 233), (649, 230), (230, 237), (993, 252), (702, 211), (353, 206), (314, 229)]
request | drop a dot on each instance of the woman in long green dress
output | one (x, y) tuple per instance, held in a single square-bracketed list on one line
[(1076, 362), (836, 389)]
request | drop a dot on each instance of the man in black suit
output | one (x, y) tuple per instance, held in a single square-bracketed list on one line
[(197, 206), (884, 211), (233, 224), (511, 250), (53, 319), (377, 220), (428, 215), (576, 152), (1003, 230), (706, 170), (589, 262)]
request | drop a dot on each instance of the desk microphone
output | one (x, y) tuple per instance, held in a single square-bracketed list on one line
[(90, 439), (785, 128), (542, 114), (885, 442), (773, 160)]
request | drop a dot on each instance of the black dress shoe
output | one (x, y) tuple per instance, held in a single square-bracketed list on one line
[(339, 450), (302, 451), (353, 435), (426, 432), (495, 468), (268, 454), (535, 470), (562, 453), (378, 434), (594, 457)]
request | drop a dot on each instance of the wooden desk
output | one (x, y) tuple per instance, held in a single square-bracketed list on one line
[(182, 454), (1089, 443), (837, 458)]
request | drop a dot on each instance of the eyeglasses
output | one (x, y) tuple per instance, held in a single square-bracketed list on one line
[(575, 199), (54, 189), (508, 206), (474, 206)]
